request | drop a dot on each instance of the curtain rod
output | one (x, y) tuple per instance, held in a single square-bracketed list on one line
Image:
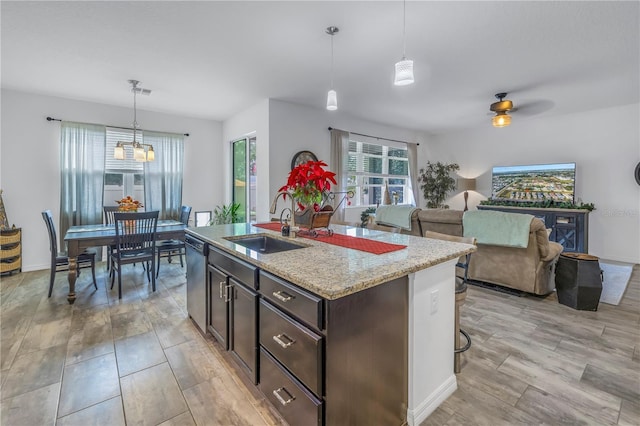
[(377, 137), (114, 127)]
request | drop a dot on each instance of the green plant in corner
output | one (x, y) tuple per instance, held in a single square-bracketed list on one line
[(225, 214), (436, 182)]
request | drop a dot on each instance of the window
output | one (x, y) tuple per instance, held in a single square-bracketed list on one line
[(371, 166), (122, 177)]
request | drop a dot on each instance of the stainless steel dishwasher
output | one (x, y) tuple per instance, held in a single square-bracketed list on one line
[(196, 281)]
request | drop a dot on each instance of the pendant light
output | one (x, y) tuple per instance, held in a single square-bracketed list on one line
[(404, 68), (332, 97), (141, 151)]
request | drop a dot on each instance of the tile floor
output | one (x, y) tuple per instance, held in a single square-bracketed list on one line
[(140, 360)]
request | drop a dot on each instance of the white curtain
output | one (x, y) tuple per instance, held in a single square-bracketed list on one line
[(412, 154), (163, 176), (82, 151), (339, 158)]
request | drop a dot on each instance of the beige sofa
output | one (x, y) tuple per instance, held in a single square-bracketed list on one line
[(528, 269)]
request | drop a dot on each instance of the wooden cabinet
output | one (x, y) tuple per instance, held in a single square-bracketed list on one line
[(10, 250), (330, 362), (233, 309), (569, 227)]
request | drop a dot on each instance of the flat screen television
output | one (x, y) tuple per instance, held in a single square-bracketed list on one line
[(542, 183)]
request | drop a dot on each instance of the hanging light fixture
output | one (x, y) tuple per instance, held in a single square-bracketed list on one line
[(404, 68), (141, 151), (332, 96), (501, 119)]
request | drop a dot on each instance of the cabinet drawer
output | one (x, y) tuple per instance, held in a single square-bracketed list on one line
[(299, 303), (294, 345), (244, 272), (296, 404)]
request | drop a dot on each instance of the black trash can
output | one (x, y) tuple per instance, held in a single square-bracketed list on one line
[(579, 281)]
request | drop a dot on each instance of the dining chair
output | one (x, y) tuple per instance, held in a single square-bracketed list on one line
[(461, 278), (169, 248), (108, 220), (60, 260), (135, 242)]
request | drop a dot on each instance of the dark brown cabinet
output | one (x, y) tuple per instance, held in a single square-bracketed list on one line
[(243, 342), (218, 306), (233, 309), (336, 361), (569, 227)]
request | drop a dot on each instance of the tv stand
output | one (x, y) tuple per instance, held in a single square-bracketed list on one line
[(569, 227)]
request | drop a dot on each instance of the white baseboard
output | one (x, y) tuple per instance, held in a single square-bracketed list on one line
[(433, 401)]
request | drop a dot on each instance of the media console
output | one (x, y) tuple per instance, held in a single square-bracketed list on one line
[(569, 227)]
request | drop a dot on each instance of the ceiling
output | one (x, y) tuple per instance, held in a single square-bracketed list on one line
[(214, 59)]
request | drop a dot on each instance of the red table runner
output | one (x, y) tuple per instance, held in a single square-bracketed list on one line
[(346, 241)]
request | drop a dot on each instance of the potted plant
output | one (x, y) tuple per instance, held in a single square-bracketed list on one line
[(225, 214), (436, 182), (308, 182)]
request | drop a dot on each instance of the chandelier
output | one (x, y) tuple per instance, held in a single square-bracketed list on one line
[(141, 151)]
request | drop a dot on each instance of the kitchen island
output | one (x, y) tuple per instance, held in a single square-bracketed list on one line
[(333, 335)]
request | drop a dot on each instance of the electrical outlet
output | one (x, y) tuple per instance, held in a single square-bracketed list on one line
[(435, 297)]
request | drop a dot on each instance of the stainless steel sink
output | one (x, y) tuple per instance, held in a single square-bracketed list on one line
[(264, 244)]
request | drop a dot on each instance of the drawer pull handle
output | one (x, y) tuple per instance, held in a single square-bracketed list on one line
[(279, 337), (283, 401), (222, 283), (281, 295)]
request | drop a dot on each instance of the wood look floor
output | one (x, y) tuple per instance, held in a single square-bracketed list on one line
[(140, 360)]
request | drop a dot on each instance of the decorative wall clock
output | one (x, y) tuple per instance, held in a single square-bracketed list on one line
[(302, 157), (637, 174)]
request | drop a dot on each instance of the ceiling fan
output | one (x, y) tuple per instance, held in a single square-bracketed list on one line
[(501, 119), (504, 107)]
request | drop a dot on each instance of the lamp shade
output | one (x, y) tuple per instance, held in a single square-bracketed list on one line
[(118, 151), (466, 184), (404, 72), (332, 100), (501, 119), (151, 155)]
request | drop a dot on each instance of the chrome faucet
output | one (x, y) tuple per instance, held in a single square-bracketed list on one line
[(274, 204)]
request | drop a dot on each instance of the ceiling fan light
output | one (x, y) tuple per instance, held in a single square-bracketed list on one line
[(501, 119), (404, 72), (332, 100)]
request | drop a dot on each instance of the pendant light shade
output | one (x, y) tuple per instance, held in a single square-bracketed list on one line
[(404, 68), (404, 72), (118, 151), (332, 96), (332, 100)]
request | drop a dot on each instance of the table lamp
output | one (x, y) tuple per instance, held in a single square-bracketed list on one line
[(466, 184)]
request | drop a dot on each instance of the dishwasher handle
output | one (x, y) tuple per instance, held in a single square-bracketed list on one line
[(195, 244)]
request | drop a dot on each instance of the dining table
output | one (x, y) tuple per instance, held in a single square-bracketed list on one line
[(80, 237)]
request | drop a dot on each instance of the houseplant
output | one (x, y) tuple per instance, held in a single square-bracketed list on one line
[(307, 183), (436, 182), (225, 214)]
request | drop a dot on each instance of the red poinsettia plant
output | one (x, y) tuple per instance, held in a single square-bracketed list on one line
[(308, 182)]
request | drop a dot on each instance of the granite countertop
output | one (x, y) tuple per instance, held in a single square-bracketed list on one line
[(332, 271)]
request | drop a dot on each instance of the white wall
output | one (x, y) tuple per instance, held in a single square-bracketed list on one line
[(29, 159), (604, 144), (295, 128), (253, 121)]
